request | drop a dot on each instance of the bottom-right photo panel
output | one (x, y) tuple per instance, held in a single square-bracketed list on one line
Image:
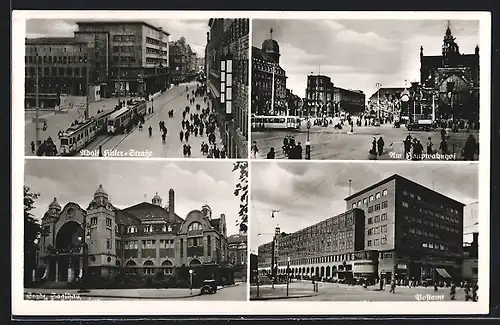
[(344, 231)]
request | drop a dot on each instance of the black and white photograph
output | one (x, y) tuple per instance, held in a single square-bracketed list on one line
[(128, 230), (363, 232), (136, 88), (366, 89)]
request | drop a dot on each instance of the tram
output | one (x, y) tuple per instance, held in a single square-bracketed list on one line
[(119, 120), (77, 136), (276, 122)]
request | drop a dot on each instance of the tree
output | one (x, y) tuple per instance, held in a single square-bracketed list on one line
[(241, 191), (31, 233)]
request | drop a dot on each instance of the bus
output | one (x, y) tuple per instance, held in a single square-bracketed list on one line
[(276, 122)]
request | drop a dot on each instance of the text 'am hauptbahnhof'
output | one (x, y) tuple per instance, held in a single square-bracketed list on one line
[(394, 229)]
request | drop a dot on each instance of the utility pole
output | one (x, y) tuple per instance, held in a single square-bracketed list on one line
[(350, 187), (119, 76), (272, 89), (378, 98), (37, 104)]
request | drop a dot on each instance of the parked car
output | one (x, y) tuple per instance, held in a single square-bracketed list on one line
[(208, 286)]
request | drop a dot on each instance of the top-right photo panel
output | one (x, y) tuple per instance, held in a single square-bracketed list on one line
[(365, 89)]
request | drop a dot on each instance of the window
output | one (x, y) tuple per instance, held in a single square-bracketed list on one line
[(377, 218), (371, 198), (474, 270), (354, 205), (405, 204), (377, 195), (108, 222), (405, 193), (195, 226), (376, 242), (109, 243), (384, 192), (412, 195), (376, 230), (384, 228), (359, 203), (383, 240), (370, 209), (369, 243), (132, 229), (169, 228), (419, 198), (384, 204), (370, 220), (365, 201), (148, 228), (370, 231), (424, 245), (377, 206), (93, 221), (383, 216), (116, 229)]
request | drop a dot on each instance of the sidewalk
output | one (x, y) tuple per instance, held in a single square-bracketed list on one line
[(122, 293)]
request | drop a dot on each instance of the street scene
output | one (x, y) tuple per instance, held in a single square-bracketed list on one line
[(397, 232), (365, 90), (94, 94), (154, 242)]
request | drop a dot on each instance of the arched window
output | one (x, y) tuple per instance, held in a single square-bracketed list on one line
[(195, 226), (132, 229), (149, 267)]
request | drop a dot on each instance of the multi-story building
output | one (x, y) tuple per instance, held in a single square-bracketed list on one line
[(471, 220), (319, 96), (470, 262), (229, 39), (417, 231), (348, 101), (145, 238), (238, 255), (294, 103), (266, 72), (386, 102), (394, 229), (65, 67), (450, 81), (323, 250), (137, 53), (178, 62), (120, 56)]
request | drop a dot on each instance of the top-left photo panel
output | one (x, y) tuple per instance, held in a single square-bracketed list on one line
[(136, 89)]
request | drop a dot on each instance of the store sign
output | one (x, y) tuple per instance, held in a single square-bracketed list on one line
[(402, 266)]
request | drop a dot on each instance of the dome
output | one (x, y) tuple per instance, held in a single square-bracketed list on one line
[(55, 205), (100, 192), (270, 45), (156, 197)]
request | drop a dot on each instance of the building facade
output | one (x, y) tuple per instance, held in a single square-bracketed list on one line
[(293, 103), (450, 81), (348, 101), (470, 263), (386, 102), (65, 67), (266, 72), (238, 255), (229, 38), (417, 231), (319, 97), (394, 229), (178, 63), (140, 240)]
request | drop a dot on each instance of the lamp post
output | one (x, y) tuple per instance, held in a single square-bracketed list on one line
[(378, 85), (450, 89), (35, 260), (287, 275), (308, 143), (191, 281)]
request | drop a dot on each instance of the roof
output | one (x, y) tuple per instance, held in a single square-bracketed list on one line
[(387, 91), (397, 178), (147, 205), (119, 112), (53, 41), (122, 22), (77, 127), (237, 238), (124, 218)]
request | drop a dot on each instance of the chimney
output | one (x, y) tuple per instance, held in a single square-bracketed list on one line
[(475, 237), (171, 205)]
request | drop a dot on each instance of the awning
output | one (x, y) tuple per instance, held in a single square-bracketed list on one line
[(443, 273)]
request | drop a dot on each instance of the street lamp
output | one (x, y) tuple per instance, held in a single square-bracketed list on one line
[(287, 275), (308, 143), (378, 85), (191, 281), (450, 89), (35, 243), (84, 240)]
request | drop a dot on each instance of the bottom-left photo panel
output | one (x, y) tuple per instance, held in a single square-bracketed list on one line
[(135, 229)]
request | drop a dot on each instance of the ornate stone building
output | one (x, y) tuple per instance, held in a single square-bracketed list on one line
[(145, 238), (265, 68), (450, 81), (238, 254)]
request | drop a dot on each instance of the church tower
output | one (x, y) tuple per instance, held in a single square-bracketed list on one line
[(450, 49), (156, 200)]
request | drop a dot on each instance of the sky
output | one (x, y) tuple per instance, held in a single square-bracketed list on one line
[(130, 182), (195, 31), (358, 54), (306, 194)]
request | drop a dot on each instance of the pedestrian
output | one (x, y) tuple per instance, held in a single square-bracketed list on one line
[(470, 148), (435, 286), (299, 151), (163, 138), (429, 146), (407, 147), (467, 292), (380, 146), (181, 136), (373, 150), (474, 291), (188, 146), (255, 150), (453, 291), (381, 283), (271, 154), (186, 135), (443, 146), (32, 147), (393, 286)]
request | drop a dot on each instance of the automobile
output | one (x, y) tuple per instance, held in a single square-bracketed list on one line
[(421, 125), (208, 286)]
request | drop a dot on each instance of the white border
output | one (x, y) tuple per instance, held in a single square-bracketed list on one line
[(181, 307)]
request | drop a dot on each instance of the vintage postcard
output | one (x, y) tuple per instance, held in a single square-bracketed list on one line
[(108, 87), (359, 89)]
